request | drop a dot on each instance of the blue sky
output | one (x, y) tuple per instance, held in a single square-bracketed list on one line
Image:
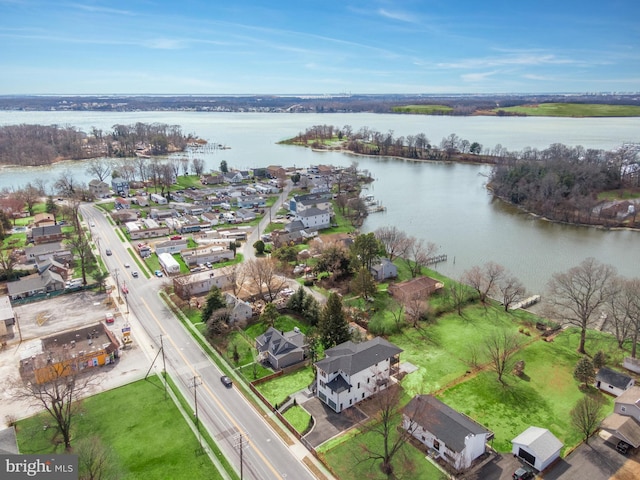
[(325, 46)]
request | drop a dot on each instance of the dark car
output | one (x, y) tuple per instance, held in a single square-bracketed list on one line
[(623, 447), (523, 473), (108, 252), (226, 381)]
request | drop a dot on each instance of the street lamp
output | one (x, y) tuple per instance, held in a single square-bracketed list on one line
[(116, 271)]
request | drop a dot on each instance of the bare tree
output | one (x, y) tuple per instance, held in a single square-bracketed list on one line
[(99, 167), (59, 395), (95, 460), (415, 308), (417, 255), (265, 276), (66, 184), (577, 294), (393, 240), (383, 425), (30, 195), (458, 294), (587, 415), (484, 279), (500, 348), (198, 166), (511, 289), (82, 251), (623, 310)]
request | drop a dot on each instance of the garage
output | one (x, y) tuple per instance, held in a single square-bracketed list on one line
[(537, 446)]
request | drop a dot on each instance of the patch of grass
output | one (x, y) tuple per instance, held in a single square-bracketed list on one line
[(619, 195), (423, 109), (574, 110), (146, 433), (298, 418), (278, 389), (543, 397)]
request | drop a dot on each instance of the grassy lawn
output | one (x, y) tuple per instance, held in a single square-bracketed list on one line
[(575, 110), (347, 460), (423, 109), (543, 397), (619, 195), (146, 434), (298, 418), (278, 389), (442, 351)]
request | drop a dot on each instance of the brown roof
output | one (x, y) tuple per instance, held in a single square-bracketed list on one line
[(421, 286)]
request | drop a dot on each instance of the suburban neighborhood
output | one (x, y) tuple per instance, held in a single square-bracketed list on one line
[(352, 343)]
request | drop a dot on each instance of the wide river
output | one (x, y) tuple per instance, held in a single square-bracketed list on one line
[(446, 204)]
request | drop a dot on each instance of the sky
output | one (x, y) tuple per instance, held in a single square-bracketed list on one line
[(200, 47)]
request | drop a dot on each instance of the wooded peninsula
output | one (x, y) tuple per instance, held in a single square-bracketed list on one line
[(565, 184)]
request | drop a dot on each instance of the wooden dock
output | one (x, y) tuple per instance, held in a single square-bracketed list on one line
[(437, 259)]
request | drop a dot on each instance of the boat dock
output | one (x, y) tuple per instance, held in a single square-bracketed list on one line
[(437, 259)]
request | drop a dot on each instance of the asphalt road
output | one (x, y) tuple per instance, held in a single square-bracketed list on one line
[(224, 411)]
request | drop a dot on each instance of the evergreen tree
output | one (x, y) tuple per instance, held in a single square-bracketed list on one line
[(269, 314), (214, 302), (224, 168), (599, 360), (311, 310), (365, 250), (363, 284), (333, 327), (259, 246), (295, 301), (584, 371)]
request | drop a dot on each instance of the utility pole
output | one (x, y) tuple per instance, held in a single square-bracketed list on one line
[(240, 440), (116, 271), (164, 368), (195, 384)]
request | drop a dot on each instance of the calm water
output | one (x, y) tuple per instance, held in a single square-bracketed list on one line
[(442, 203)]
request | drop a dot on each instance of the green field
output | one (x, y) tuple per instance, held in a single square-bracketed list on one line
[(574, 110), (146, 435), (423, 109)]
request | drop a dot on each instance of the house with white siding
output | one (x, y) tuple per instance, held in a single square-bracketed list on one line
[(351, 372), (314, 218)]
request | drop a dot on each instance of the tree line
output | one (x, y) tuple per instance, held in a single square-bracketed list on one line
[(35, 145)]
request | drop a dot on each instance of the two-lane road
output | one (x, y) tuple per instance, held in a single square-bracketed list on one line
[(224, 411)]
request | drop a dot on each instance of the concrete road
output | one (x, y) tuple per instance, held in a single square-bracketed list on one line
[(224, 411)]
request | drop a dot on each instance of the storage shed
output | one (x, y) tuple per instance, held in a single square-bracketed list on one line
[(537, 446), (613, 382)]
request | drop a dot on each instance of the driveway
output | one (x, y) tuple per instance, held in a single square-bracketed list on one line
[(327, 423)]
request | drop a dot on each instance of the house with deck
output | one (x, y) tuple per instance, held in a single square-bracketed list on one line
[(281, 349)]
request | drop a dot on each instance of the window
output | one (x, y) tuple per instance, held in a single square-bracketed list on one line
[(436, 444), (368, 380), (358, 384), (362, 394)]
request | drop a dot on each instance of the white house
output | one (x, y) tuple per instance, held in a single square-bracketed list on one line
[(168, 263), (613, 382), (537, 446), (239, 309), (314, 218), (200, 283), (351, 372), (159, 199), (454, 437)]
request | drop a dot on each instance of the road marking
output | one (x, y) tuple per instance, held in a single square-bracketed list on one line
[(213, 397)]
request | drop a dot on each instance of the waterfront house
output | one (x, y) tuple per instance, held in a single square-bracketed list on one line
[(416, 288), (383, 269), (99, 189)]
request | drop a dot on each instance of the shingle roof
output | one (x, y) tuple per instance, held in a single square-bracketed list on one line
[(623, 427), (540, 441), (611, 377), (448, 425), (355, 357), (280, 343)]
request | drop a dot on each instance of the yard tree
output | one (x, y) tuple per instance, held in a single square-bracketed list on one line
[(485, 279), (393, 240), (269, 314), (415, 308), (30, 195), (197, 164), (51, 207), (418, 255), (363, 284), (264, 274), (335, 260), (214, 302), (285, 253), (584, 371), (500, 348), (224, 168), (623, 310), (60, 395), (79, 243), (95, 460), (587, 415), (364, 250), (259, 246), (384, 426), (599, 360), (578, 294), (511, 289), (295, 178), (99, 167), (333, 326), (458, 294)]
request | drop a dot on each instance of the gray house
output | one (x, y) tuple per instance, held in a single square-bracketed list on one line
[(281, 349), (383, 269), (613, 382), (35, 284)]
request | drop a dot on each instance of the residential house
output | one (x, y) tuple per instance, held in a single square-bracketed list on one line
[(454, 437), (259, 172), (141, 200), (120, 186), (281, 239), (210, 218), (144, 250), (161, 214), (99, 189), (299, 203), (314, 218), (281, 349), (159, 199), (43, 220), (233, 177), (189, 224), (36, 284), (624, 422), (294, 226), (206, 254), (383, 269), (537, 446), (171, 246), (54, 266), (613, 382), (124, 216), (266, 189), (48, 234), (7, 315), (244, 215), (276, 171), (196, 284), (415, 288), (351, 372), (628, 403), (56, 250), (211, 179), (66, 353), (239, 310), (168, 264), (251, 201), (122, 203)]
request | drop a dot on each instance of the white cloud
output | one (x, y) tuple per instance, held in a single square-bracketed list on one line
[(396, 15), (477, 77)]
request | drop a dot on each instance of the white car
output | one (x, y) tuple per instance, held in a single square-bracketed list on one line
[(126, 265)]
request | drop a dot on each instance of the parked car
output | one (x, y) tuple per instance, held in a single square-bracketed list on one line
[(108, 317), (108, 252), (523, 473), (623, 447), (226, 381), (158, 273), (134, 274)]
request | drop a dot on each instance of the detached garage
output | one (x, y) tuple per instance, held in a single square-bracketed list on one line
[(537, 446)]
